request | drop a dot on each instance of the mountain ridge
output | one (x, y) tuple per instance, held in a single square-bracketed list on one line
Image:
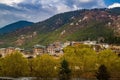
[(14, 26), (73, 26)]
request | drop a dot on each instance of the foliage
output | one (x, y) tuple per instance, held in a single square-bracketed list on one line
[(77, 61), (108, 58), (93, 31), (102, 73), (81, 59), (44, 66), (64, 73), (14, 65)]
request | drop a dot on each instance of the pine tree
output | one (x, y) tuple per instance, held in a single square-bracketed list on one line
[(102, 73), (64, 73)]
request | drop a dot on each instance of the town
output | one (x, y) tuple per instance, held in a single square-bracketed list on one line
[(56, 49)]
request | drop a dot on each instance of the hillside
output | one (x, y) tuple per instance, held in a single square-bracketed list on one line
[(14, 26), (94, 24)]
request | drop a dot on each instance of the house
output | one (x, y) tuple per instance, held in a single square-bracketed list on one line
[(55, 49), (75, 43), (2, 52), (38, 49), (67, 43), (97, 47), (90, 42), (19, 49), (50, 49), (10, 50), (105, 46), (28, 53), (115, 49)]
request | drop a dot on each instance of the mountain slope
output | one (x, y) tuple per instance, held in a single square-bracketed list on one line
[(50, 24), (14, 26), (77, 25)]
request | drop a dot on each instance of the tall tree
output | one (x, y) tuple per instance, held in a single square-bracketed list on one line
[(64, 73), (102, 73)]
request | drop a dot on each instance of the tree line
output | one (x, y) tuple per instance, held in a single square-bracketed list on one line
[(78, 61)]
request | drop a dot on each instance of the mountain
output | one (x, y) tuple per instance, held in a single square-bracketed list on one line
[(95, 24), (14, 26)]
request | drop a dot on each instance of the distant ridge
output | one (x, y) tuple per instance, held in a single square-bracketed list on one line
[(14, 26)]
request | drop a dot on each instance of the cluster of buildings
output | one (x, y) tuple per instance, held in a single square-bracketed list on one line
[(56, 49)]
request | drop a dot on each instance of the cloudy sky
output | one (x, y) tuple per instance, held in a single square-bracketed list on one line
[(38, 10)]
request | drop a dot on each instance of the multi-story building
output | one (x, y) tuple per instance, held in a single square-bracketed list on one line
[(50, 49), (2, 52), (55, 48), (39, 49), (10, 50)]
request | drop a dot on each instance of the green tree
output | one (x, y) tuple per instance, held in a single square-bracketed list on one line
[(108, 58), (1, 59), (44, 66), (102, 73), (64, 73), (14, 65), (82, 59)]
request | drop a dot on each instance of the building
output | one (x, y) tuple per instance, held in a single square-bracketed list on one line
[(115, 49), (90, 42), (2, 52), (39, 49), (55, 49), (50, 49), (10, 50), (67, 43)]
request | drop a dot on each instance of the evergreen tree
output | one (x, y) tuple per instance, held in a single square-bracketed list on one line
[(64, 73), (102, 73)]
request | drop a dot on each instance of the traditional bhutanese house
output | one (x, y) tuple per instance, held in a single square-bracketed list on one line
[(10, 50), (58, 47), (57, 44), (115, 49), (50, 49), (2, 52), (58, 51), (97, 47), (28, 53), (19, 49), (38, 49), (90, 42), (55, 48), (67, 43), (76, 43)]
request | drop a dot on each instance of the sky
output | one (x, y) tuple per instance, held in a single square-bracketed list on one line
[(38, 10)]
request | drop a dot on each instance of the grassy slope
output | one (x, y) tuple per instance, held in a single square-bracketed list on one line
[(92, 31)]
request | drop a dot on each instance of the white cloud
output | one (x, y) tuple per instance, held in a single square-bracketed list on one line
[(10, 2), (69, 5), (101, 3), (75, 7), (85, 1), (37, 10), (114, 5), (62, 8)]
